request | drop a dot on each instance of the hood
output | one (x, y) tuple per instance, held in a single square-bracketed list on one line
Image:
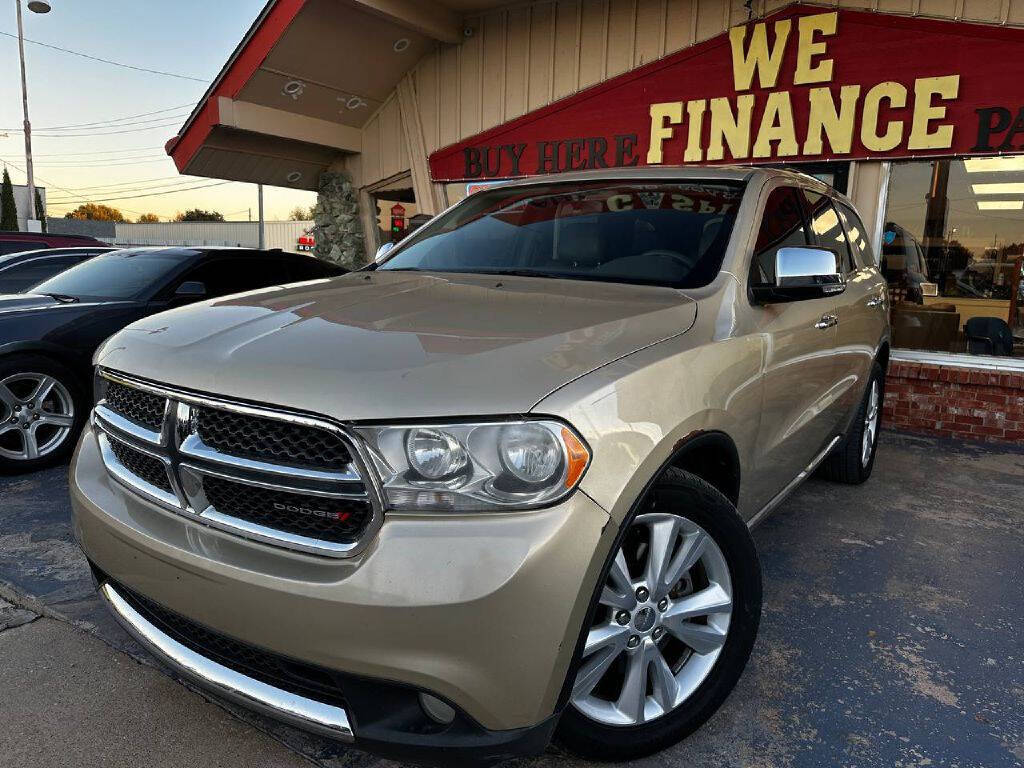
[(393, 345)]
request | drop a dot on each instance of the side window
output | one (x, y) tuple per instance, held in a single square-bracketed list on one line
[(782, 225), (30, 273), (308, 269), (17, 246), (857, 235), (827, 229), (223, 276)]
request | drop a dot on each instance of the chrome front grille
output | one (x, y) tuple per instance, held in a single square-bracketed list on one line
[(339, 520), (284, 479), (143, 466), (269, 440), (142, 408)]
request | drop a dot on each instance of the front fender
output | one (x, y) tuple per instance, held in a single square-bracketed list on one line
[(637, 412)]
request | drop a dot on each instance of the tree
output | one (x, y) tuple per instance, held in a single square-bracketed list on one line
[(148, 218), (40, 209), (198, 214), (95, 212), (8, 208), (298, 213)]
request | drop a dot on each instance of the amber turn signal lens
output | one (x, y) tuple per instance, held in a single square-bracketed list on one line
[(578, 456)]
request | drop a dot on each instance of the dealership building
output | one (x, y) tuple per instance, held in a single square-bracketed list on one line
[(912, 108)]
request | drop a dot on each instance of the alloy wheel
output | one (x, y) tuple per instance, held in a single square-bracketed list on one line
[(37, 413), (870, 425), (662, 620)]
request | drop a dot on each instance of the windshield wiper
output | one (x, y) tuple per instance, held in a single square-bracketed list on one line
[(534, 273), (63, 298)]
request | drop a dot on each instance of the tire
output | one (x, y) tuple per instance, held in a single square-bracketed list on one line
[(591, 725), (853, 459), (33, 433)]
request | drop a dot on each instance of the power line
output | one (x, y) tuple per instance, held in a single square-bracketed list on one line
[(184, 180), (132, 154), (135, 197), (48, 185), (173, 187), (100, 152), (104, 125), (108, 61), (112, 164), (117, 119), (92, 134)]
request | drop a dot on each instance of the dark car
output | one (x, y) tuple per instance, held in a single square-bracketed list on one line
[(16, 242), (48, 336), (19, 271), (904, 263)]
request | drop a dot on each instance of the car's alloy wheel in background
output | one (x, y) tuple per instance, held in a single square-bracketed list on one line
[(40, 413), (672, 626)]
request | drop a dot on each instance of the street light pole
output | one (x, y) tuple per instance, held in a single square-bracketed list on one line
[(262, 228), (36, 6), (28, 125)]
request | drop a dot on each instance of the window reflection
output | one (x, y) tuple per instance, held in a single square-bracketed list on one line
[(952, 251)]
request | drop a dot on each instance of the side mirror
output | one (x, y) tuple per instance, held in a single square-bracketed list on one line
[(190, 289), (383, 251), (802, 273)]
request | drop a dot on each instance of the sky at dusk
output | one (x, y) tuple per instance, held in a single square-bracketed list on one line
[(98, 163)]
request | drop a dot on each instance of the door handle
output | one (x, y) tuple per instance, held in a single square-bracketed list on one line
[(875, 301), (827, 321)]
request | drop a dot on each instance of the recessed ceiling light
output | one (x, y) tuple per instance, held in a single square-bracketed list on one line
[(1000, 205), (293, 88), (994, 164), (999, 188), (352, 102), (401, 44), (293, 177)]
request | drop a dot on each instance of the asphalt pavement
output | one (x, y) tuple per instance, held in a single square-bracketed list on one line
[(892, 635)]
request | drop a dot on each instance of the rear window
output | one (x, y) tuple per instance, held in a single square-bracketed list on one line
[(671, 234)]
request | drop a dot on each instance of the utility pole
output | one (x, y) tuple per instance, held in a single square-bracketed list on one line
[(36, 6), (263, 234)]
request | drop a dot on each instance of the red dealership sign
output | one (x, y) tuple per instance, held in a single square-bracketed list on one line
[(800, 85)]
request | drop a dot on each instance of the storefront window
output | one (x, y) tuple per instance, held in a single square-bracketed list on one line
[(952, 251)]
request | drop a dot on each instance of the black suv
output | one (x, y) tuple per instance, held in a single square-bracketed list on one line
[(48, 334)]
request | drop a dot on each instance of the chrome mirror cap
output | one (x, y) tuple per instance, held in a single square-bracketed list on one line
[(383, 251), (807, 267)]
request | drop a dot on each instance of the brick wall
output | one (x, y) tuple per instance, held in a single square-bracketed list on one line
[(954, 401)]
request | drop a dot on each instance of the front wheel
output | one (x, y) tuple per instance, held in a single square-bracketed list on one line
[(673, 627)]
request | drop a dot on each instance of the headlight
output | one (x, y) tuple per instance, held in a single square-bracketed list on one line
[(479, 466)]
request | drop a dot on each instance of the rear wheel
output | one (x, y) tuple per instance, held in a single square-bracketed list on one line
[(673, 627), (853, 459), (41, 413)]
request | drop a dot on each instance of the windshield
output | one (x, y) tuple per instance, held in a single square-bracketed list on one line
[(671, 234), (114, 275)]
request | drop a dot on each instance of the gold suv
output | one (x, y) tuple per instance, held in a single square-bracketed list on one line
[(495, 487)]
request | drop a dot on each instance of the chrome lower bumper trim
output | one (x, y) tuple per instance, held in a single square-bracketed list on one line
[(305, 713)]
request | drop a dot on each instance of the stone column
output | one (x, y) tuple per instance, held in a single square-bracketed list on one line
[(339, 232)]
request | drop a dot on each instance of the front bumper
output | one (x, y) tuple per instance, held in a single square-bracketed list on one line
[(482, 611)]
